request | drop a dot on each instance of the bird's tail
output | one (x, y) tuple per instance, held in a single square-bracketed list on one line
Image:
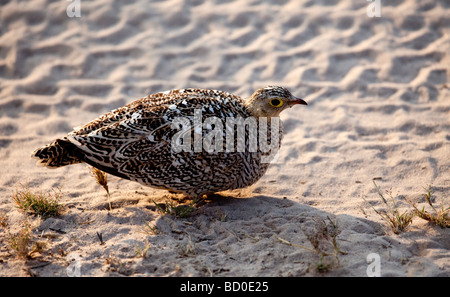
[(57, 154)]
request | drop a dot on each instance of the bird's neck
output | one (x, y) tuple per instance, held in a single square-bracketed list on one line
[(256, 108)]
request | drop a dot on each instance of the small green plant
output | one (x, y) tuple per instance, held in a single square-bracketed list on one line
[(119, 266), (38, 203), (188, 248), (142, 252), (397, 220), (221, 216), (181, 210), (20, 242), (440, 216), (102, 179), (323, 238), (3, 220), (149, 229)]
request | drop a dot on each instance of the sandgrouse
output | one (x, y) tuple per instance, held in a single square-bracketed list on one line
[(190, 141)]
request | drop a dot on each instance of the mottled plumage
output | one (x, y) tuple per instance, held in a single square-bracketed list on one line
[(135, 141)]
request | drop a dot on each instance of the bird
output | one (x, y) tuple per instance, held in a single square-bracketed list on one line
[(190, 141)]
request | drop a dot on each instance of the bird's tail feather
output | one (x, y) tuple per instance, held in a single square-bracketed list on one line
[(57, 154)]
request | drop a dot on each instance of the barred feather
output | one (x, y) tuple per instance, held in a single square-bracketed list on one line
[(134, 142)]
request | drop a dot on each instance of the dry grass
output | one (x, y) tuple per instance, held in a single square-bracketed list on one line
[(188, 249), (43, 204), (397, 220), (439, 216), (142, 252), (323, 238), (150, 229), (180, 210), (20, 239), (102, 179), (3, 220), (20, 242)]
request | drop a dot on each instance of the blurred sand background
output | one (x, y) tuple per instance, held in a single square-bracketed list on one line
[(379, 108)]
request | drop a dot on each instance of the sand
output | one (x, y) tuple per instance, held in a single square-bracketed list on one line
[(379, 110)]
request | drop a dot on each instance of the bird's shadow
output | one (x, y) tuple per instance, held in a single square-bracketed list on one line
[(235, 234)]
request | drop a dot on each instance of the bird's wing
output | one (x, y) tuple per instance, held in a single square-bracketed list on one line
[(116, 141), (130, 139)]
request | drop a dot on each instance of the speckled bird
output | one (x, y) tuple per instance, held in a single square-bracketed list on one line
[(135, 141)]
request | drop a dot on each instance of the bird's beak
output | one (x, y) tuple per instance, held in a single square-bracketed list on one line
[(298, 101)]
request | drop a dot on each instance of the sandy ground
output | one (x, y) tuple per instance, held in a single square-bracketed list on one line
[(379, 108)]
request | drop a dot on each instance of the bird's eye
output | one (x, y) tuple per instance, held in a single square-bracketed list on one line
[(276, 102)]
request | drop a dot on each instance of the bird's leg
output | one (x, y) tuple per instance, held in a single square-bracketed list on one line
[(199, 200)]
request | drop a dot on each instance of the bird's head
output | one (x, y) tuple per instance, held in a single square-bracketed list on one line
[(271, 101)]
